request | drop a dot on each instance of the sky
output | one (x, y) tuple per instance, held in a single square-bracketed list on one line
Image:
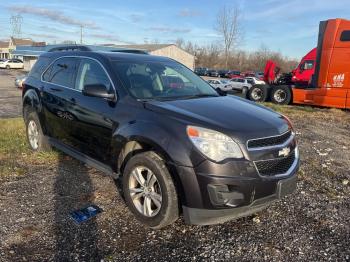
[(290, 27)]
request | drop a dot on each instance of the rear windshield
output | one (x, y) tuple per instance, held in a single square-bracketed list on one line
[(161, 80)]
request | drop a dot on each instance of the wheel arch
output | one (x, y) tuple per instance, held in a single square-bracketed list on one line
[(136, 144)]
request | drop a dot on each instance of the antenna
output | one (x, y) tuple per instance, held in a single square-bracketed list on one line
[(16, 23)]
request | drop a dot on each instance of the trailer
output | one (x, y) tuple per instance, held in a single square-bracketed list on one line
[(322, 77)]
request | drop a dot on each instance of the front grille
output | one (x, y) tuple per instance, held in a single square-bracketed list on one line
[(276, 166), (269, 141)]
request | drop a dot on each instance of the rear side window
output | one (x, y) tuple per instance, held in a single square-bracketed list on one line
[(345, 36), (62, 72), (39, 67)]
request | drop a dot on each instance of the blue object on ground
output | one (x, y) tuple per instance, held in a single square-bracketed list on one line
[(84, 214)]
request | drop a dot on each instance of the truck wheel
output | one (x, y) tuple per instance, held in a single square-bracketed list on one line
[(245, 91), (258, 93), (149, 190), (281, 95), (36, 139)]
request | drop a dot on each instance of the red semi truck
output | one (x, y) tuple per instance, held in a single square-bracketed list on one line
[(322, 78)]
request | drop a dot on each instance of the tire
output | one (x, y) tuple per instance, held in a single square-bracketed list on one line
[(156, 216), (281, 95), (8, 67), (245, 91), (258, 93), (35, 137)]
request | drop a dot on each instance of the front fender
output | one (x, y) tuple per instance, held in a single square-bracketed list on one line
[(165, 139)]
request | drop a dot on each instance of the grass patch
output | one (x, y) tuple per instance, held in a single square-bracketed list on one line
[(15, 154)]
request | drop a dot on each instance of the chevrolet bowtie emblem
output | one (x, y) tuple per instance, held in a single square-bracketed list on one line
[(284, 152)]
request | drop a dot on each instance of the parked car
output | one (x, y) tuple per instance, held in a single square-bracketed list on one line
[(233, 74), (223, 73), (224, 85), (248, 74), (240, 84), (201, 71), (12, 64), (259, 75), (213, 73), (255, 81), (215, 157), (19, 81)]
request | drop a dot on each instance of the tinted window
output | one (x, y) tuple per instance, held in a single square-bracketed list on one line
[(240, 80), (345, 36), (92, 73), (39, 67), (62, 72)]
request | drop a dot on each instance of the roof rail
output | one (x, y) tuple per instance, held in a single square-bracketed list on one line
[(96, 48), (70, 48)]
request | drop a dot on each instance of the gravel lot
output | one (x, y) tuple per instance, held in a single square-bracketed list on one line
[(313, 224)]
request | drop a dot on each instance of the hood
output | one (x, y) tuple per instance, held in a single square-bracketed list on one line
[(234, 116)]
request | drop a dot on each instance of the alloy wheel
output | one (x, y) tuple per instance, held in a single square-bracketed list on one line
[(33, 134), (145, 191)]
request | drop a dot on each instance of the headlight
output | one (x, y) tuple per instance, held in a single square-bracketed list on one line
[(213, 144)]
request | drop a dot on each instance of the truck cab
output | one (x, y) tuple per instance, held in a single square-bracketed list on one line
[(305, 69), (330, 85)]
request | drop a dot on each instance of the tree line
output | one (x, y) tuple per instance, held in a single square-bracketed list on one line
[(226, 54)]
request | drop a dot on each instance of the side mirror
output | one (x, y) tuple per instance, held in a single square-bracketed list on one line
[(97, 90)]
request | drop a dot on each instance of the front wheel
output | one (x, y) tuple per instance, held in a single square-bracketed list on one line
[(258, 93), (281, 95), (149, 190)]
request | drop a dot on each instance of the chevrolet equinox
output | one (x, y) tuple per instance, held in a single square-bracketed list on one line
[(178, 146)]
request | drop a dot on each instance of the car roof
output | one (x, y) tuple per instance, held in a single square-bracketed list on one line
[(114, 56)]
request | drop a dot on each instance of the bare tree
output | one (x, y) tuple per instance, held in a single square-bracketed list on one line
[(228, 25)]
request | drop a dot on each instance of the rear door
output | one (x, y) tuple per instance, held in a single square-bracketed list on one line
[(58, 89)]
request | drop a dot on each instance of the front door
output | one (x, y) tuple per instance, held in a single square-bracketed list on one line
[(92, 129)]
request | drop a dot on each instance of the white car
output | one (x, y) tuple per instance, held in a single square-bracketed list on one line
[(240, 84), (224, 85), (255, 80), (12, 63)]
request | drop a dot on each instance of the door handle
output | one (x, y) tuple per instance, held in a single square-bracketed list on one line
[(55, 89)]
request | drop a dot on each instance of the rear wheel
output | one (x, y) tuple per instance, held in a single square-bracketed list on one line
[(281, 95), (258, 93), (36, 139), (149, 190)]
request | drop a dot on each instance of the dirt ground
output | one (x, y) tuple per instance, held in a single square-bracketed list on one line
[(312, 224)]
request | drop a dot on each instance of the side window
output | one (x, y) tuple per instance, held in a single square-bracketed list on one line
[(309, 64), (92, 73), (241, 80), (39, 67), (345, 36), (62, 72)]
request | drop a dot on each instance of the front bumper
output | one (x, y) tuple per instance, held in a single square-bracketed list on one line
[(199, 216)]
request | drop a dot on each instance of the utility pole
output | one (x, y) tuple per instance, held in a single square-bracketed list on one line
[(81, 34), (16, 23)]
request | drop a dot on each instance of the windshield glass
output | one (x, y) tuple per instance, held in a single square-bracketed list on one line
[(161, 80)]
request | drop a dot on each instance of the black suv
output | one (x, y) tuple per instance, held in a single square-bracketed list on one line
[(175, 143)]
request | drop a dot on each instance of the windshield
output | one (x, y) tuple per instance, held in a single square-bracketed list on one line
[(161, 80)]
